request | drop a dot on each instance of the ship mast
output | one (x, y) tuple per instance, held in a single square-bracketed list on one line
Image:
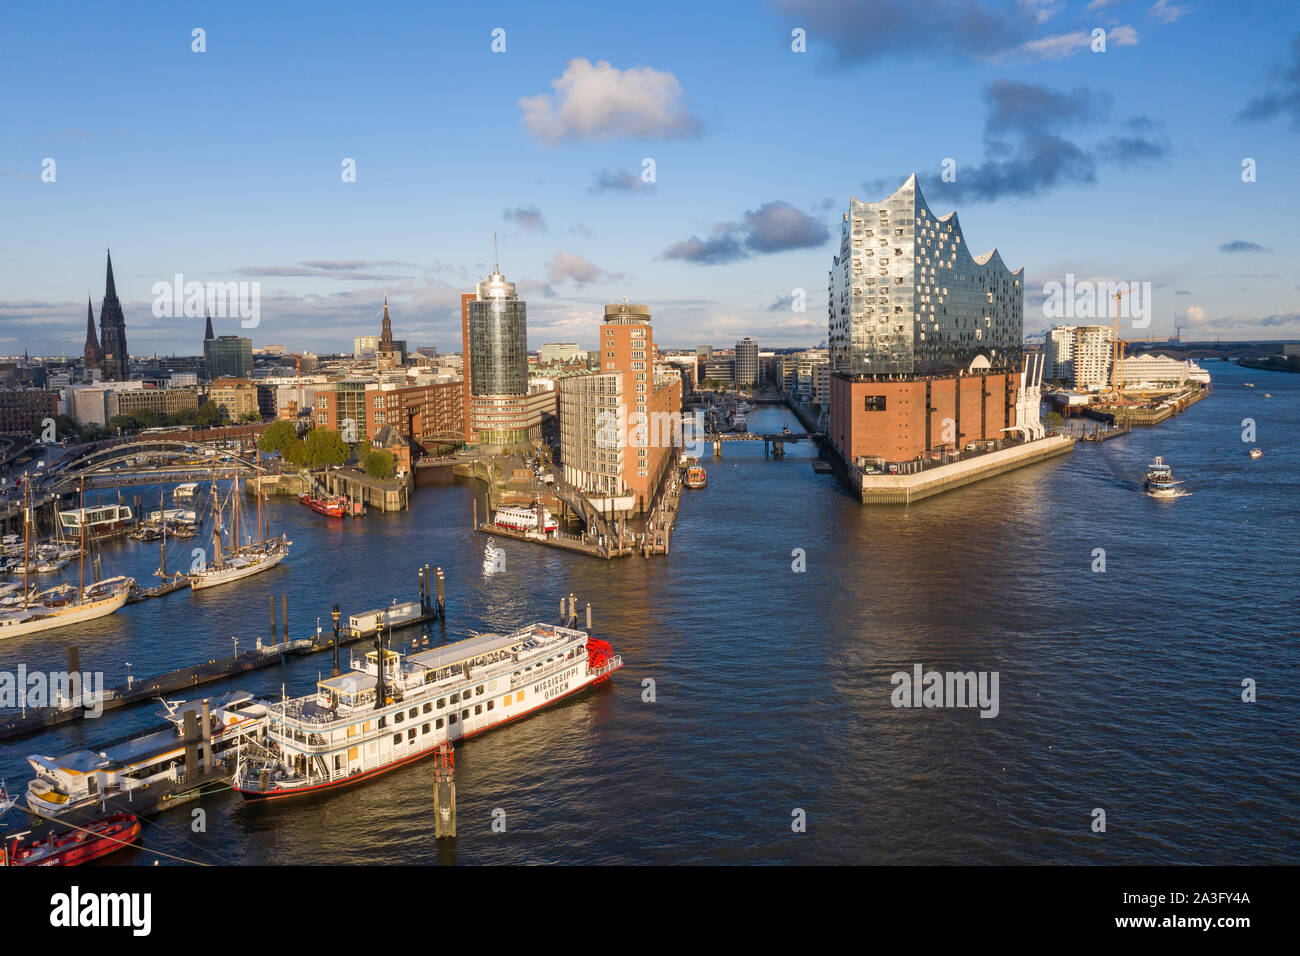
[(27, 523), (261, 531), (81, 558)]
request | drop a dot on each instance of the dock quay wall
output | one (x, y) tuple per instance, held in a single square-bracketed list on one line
[(904, 489)]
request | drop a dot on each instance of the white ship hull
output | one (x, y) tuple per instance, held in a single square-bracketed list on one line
[(313, 749), (233, 571), (32, 620)]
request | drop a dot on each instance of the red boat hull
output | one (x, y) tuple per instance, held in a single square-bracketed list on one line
[(73, 847), (330, 509)]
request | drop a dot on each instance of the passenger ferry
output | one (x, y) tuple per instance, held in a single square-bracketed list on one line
[(101, 521), (84, 778), (696, 477), (526, 519), (1160, 480), (376, 717), (186, 492)]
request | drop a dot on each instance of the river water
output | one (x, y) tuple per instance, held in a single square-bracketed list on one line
[(1118, 690)]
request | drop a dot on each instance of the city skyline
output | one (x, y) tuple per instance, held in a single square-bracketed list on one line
[(1072, 162)]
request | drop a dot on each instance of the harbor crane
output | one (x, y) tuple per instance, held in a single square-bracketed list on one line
[(1117, 352)]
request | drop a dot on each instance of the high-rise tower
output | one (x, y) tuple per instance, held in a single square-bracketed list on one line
[(112, 332)]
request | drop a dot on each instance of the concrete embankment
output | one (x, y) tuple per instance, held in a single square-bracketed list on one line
[(904, 489)]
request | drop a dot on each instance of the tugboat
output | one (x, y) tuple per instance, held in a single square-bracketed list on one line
[(696, 477), (1160, 480), (70, 846), (331, 507)]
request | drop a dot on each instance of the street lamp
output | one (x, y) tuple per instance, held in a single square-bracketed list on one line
[(236, 640), (129, 679)]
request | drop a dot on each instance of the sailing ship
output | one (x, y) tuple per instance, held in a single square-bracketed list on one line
[(63, 604), (393, 709), (243, 560)]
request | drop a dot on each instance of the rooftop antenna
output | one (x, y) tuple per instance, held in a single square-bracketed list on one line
[(496, 259)]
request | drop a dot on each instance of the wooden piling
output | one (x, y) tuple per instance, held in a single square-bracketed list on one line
[(206, 730), (588, 615), (440, 583), (272, 618), (444, 792), (284, 614)]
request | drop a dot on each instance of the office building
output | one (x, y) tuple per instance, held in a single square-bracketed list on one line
[(228, 356)]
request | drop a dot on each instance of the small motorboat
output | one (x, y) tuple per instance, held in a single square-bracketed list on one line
[(1256, 453)]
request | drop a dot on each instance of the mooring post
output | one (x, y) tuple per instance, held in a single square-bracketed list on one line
[(475, 526), (272, 618), (573, 610), (442, 594), (191, 746), (588, 615), (206, 730), (284, 614), (335, 614), (562, 607)]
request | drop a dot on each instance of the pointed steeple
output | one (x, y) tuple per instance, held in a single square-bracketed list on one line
[(112, 332), (93, 354), (386, 333), (110, 289), (207, 333)]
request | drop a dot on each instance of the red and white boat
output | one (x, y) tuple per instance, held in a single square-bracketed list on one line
[(332, 506), (534, 518), (70, 846), (375, 718)]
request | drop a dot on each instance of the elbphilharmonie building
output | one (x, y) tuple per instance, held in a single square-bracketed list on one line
[(925, 338), (907, 295)]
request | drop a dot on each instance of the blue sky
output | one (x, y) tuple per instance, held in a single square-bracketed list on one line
[(225, 165)]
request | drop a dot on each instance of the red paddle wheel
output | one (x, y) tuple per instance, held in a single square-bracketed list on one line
[(599, 655)]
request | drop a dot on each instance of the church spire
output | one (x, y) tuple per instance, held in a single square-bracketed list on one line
[(93, 354), (112, 332), (110, 288), (207, 333), (386, 332)]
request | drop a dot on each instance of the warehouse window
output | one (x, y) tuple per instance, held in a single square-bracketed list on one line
[(873, 403)]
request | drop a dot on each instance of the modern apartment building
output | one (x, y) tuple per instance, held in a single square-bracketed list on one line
[(747, 368), (1081, 356)]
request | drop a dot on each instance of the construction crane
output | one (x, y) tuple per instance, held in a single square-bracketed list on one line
[(1117, 353)]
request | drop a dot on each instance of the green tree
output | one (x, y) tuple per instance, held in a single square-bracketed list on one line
[(324, 447), (278, 436), (124, 423), (1053, 420), (295, 453), (208, 415), (250, 417), (378, 463)]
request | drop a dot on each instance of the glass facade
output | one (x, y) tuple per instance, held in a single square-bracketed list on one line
[(907, 297), (498, 339)]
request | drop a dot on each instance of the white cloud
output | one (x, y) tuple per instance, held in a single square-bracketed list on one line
[(1060, 45), (1166, 12), (601, 102), (565, 265)]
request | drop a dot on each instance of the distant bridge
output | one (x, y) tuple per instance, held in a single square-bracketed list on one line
[(773, 442)]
